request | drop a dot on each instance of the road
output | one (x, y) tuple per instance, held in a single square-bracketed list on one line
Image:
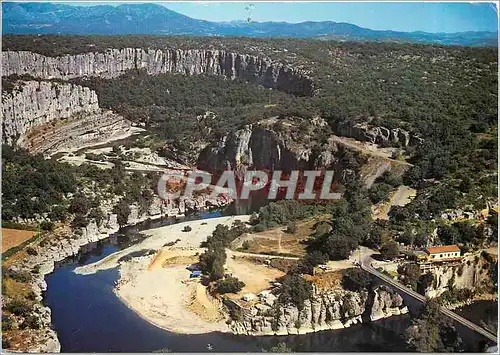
[(366, 265)]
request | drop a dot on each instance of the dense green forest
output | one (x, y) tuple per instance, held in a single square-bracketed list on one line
[(35, 187)]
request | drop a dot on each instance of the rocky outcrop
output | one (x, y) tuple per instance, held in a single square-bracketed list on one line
[(325, 310), (35, 103), (472, 272), (377, 135), (252, 146), (114, 62), (261, 146)]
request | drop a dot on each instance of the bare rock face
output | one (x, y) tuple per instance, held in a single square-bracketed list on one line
[(47, 116), (473, 273), (260, 147), (377, 135), (385, 303), (114, 62), (35, 103), (326, 310)]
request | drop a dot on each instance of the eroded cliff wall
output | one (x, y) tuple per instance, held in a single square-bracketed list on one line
[(34, 103), (114, 62), (46, 116), (325, 310), (474, 272), (260, 146)]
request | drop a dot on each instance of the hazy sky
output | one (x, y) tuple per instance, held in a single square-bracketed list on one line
[(417, 16)]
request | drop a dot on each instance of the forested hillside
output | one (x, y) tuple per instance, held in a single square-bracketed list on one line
[(446, 96)]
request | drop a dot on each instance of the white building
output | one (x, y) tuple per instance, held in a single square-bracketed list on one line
[(443, 252)]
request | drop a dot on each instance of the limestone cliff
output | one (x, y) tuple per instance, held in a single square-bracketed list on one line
[(377, 134), (34, 103), (325, 310), (473, 272), (44, 116), (114, 62), (265, 146)]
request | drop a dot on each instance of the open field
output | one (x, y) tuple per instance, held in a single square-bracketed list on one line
[(14, 237), (257, 277), (277, 241)]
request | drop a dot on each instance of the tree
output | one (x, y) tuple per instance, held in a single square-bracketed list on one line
[(316, 257), (79, 221), (430, 332), (295, 290), (229, 285), (399, 213), (122, 210), (379, 192), (79, 204), (97, 214), (339, 247), (217, 270), (58, 213), (291, 227), (410, 274), (355, 280), (389, 250)]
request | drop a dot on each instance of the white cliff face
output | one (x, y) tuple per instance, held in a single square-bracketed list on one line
[(35, 103), (326, 310), (254, 146), (115, 62), (474, 273)]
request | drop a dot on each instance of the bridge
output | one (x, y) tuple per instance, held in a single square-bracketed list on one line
[(365, 265)]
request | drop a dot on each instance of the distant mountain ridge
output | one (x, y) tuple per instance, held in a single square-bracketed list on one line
[(48, 18)]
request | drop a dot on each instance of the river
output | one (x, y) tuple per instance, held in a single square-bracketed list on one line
[(88, 317)]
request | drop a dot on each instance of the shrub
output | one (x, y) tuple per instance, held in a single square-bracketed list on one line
[(31, 251), (6, 343), (295, 290), (355, 280), (229, 285), (259, 228), (32, 322), (21, 276), (187, 229), (47, 225), (18, 307), (291, 227), (245, 245), (7, 323)]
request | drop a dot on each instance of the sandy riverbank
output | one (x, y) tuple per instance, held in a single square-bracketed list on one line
[(158, 237), (152, 285)]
